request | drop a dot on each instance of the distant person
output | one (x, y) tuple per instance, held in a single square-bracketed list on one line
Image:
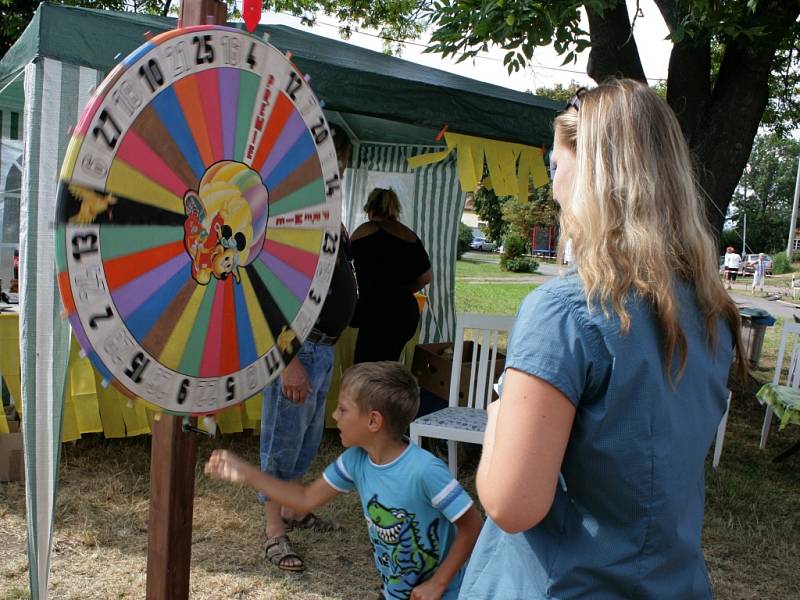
[(421, 522), (732, 263), (593, 464), (391, 265), (14, 286), (568, 252), (759, 273)]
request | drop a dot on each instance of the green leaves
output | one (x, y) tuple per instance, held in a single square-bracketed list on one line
[(465, 27)]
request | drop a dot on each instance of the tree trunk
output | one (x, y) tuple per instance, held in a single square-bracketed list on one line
[(719, 122), (614, 52)]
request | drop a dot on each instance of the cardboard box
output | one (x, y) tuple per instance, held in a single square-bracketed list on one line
[(433, 366), (12, 458)]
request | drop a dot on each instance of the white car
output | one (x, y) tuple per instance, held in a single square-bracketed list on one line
[(479, 242)]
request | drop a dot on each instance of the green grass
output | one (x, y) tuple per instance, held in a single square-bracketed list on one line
[(491, 298), (470, 268)]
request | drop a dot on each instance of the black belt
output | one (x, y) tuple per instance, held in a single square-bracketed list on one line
[(317, 337)]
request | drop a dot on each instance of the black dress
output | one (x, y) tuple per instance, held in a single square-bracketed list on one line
[(387, 313)]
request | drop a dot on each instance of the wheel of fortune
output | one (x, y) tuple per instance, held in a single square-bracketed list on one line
[(198, 219)]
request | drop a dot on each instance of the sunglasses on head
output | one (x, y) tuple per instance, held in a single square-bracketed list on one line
[(575, 101)]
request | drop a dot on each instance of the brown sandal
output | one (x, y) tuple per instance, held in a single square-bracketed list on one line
[(278, 552), (312, 521)]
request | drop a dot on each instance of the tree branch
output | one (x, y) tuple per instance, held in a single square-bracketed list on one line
[(689, 84), (672, 12), (725, 133), (613, 52)]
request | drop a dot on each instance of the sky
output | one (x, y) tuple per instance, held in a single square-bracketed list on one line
[(546, 69)]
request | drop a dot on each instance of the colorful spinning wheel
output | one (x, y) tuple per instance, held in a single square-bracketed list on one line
[(198, 219)]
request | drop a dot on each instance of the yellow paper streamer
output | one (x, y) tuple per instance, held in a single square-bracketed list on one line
[(510, 165), (422, 160)]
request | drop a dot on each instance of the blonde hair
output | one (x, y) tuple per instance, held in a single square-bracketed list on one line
[(635, 216), (386, 387), (383, 204)]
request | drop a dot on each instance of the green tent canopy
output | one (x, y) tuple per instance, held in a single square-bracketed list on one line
[(363, 84)]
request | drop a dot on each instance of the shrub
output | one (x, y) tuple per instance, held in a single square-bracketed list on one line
[(514, 246), (521, 264), (780, 264), (464, 239)]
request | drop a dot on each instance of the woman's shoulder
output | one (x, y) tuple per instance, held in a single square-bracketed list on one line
[(566, 290), (393, 228), (398, 230), (363, 230)]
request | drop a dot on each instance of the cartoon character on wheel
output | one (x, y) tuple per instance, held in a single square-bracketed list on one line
[(226, 221)]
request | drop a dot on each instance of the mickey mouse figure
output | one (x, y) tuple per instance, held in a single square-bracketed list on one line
[(225, 221)]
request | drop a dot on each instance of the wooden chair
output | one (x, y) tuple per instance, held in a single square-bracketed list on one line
[(466, 423), (791, 333)]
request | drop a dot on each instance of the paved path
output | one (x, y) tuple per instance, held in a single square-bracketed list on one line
[(784, 308)]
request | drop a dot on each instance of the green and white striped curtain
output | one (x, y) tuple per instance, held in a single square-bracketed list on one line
[(55, 94), (431, 202)]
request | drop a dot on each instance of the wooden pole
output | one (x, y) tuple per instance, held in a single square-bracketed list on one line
[(169, 538), (173, 455)]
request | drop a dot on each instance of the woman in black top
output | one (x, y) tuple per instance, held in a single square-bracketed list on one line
[(391, 265)]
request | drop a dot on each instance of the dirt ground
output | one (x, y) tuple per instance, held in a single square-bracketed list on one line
[(750, 538)]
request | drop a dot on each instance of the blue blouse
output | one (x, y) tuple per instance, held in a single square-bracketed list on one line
[(627, 518)]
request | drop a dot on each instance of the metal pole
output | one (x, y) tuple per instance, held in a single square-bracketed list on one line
[(744, 236), (744, 208), (793, 221)]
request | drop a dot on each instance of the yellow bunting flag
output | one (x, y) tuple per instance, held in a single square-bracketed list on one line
[(510, 165)]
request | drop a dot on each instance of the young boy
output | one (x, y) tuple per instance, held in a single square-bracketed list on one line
[(421, 522)]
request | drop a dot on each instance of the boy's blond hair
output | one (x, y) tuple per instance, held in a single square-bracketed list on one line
[(386, 387)]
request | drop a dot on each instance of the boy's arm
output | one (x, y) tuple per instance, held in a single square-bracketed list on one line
[(225, 465), (468, 526)]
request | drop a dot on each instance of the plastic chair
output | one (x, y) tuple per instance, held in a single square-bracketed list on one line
[(791, 331), (467, 423), (721, 433)]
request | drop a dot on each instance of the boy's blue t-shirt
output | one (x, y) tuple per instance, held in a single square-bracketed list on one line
[(410, 505)]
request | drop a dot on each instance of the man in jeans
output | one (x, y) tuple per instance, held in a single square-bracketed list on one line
[(293, 411)]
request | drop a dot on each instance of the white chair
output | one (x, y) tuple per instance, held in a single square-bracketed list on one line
[(467, 423), (791, 332), (721, 433)]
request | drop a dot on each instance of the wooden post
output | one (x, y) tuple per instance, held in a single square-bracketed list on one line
[(202, 12), (173, 453), (169, 537)]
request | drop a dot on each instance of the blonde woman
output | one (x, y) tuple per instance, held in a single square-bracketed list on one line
[(592, 471), (391, 264)]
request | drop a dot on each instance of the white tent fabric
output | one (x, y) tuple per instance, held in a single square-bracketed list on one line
[(55, 94)]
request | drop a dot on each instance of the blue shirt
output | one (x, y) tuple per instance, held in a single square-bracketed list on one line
[(409, 505), (627, 517)]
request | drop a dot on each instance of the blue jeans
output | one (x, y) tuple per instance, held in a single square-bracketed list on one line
[(290, 432)]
